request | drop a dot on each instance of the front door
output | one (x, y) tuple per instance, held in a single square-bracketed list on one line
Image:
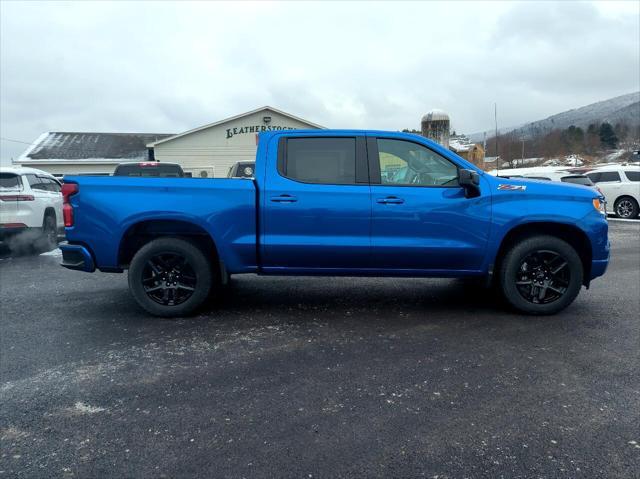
[(316, 205), (421, 218)]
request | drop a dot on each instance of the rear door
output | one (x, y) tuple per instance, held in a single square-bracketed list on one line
[(421, 218), (609, 182), (316, 204), (34, 210)]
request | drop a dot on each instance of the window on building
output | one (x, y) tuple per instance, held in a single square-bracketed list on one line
[(407, 163), (321, 160)]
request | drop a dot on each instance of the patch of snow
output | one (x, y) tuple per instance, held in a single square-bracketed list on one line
[(54, 252), (570, 160), (613, 157), (87, 409)]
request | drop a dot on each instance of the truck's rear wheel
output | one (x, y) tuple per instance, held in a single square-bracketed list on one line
[(541, 275), (170, 277)]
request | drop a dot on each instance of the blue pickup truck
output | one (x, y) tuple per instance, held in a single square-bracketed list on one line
[(338, 202)]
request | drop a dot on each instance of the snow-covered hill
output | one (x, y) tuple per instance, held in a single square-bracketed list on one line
[(625, 108)]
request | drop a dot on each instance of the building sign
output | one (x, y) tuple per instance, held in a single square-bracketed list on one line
[(231, 132)]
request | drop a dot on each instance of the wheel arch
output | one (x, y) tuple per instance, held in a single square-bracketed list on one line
[(49, 211), (142, 232), (573, 235)]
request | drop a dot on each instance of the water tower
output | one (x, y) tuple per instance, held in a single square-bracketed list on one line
[(435, 126)]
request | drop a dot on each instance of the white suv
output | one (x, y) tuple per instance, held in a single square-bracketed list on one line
[(30, 208), (620, 185)]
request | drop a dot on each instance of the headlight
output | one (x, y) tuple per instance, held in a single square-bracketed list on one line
[(600, 205)]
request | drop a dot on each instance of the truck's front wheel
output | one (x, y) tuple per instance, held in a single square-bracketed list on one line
[(170, 277), (541, 275)]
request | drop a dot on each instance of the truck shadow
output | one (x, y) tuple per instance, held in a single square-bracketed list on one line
[(338, 297)]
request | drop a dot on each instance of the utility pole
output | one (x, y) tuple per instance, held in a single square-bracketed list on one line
[(522, 162), (495, 117)]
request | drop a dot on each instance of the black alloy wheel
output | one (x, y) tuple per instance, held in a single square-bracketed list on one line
[(172, 277), (169, 279), (544, 277), (540, 274)]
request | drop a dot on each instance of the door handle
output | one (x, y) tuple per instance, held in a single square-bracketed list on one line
[(284, 199), (390, 200)]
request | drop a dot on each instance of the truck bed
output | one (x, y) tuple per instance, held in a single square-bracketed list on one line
[(106, 208)]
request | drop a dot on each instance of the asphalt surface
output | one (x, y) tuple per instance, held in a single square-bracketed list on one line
[(318, 377)]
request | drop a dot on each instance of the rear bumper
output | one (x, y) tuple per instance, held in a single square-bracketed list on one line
[(77, 257), (10, 230)]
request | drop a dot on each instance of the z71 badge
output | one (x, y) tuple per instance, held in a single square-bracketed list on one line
[(512, 187)]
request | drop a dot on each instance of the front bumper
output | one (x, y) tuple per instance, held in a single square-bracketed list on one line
[(599, 267), (77, 257)]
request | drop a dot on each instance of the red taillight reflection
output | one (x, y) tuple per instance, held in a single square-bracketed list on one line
[(68, 190)]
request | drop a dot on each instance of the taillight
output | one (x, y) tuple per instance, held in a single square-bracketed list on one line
[(68, 190), (148, 163), (17, 198)]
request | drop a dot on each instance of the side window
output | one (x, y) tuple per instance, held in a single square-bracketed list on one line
[(10, 181), (604, 176), (320, 160), (633, 175), (36, 183), (53, 185), (407, 163)]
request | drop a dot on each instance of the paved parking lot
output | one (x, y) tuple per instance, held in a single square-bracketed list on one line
[(318, 377)]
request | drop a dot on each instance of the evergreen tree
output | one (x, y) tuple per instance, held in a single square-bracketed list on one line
[(608, 138)]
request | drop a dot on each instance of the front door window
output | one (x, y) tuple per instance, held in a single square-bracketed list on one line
[(406, 163)]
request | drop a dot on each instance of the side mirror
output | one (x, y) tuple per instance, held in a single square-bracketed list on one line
[(470, 181)]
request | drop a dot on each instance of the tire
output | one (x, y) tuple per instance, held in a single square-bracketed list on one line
[(48, 238), (528, 268), (170, 277), (625, 207)]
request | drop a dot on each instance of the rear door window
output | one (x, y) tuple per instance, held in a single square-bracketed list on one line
[(37, 183), (604, 176), (52, 185), (320, 160)]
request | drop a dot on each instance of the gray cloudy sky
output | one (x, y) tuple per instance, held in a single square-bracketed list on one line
[(170, 66)]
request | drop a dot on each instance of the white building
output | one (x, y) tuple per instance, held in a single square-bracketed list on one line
[(207, 151), (221, 144)]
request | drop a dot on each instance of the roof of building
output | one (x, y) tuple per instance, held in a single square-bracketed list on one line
[(204, 127), (435, 115), (79, 146), (460, 143)]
